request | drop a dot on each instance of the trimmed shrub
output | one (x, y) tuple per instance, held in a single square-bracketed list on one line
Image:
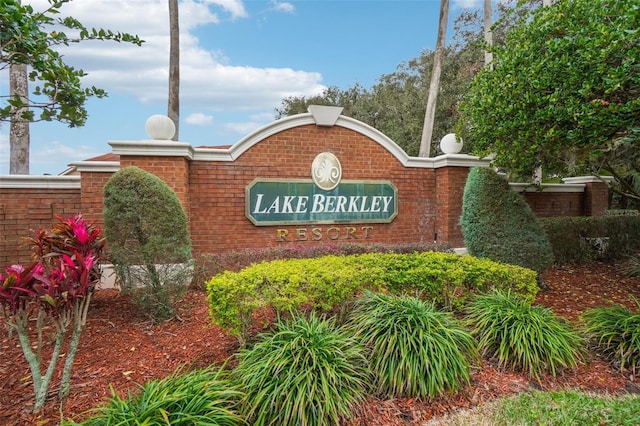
[(331, 281), (584, 239), (498, 224), (307, 372), (614, 331), (148, 239), (414, 350), (522, 336), (199, 397), (209, 264)]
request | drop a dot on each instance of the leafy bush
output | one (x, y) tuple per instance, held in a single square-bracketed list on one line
[(329, 281), (615, 332), (498, 224), (209, 264), (414, 350), (56, 288), (573, 238), (523, 336), (149, 244), (307, 372), (199, 397)]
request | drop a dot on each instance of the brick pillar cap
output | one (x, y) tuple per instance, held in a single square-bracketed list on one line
[(589, 179)]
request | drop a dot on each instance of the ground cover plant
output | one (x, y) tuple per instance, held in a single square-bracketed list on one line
[(413, 348), (550, 408), (199, 397), (306, 372), (144, 351), (523, 336), (615, 332)]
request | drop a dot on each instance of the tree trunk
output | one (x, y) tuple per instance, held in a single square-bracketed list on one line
[(427, 130), (173, 106), (488, 35), (19, 132)]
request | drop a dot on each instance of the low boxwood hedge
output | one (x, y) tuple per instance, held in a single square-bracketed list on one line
[(329, 281)]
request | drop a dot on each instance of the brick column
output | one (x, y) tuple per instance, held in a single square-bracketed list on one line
[(450, 182), (596, 194), (168, 160)]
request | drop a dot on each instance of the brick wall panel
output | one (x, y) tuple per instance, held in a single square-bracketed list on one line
[(213, 194)]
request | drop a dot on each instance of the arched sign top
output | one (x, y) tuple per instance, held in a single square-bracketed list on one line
[(308, 118)]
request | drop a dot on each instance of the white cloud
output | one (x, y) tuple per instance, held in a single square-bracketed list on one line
[(235, 7), (256, 121), (199, 119), (48, 156), (207, 78), (242, 128), (283, 6)]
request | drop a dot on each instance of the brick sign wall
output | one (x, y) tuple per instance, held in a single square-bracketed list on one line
[(213, 185)]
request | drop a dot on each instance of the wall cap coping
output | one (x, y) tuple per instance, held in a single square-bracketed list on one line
[(162, 148), (589, 179), (39, 182), (171, 148), (457, 160), (547, 187), (96, 166)]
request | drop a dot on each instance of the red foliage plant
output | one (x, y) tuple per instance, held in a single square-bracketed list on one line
[(56, 288)]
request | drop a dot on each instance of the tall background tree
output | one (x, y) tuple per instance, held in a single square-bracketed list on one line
[(27, 44), (434, 86), (564, 94), (19, 128), (173, 103), (395, 104)]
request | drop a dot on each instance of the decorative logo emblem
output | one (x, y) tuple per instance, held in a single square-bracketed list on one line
[(326, 171)]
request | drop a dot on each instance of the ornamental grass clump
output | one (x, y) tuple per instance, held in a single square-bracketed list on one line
[(522, 336), (615, 332), (307, 372), (199, 397), (414, 349)]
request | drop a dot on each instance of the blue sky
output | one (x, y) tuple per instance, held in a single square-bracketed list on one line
[(239, 59)]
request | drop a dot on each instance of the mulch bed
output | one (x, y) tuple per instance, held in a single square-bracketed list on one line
[(120, 348)]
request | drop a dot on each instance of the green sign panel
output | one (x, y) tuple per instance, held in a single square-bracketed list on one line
[(288, 202)]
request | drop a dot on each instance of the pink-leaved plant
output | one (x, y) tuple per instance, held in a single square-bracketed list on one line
[(55, 289)]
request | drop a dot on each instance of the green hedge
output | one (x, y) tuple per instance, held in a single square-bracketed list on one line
[(328, 282), (498, 224), (583, 239)]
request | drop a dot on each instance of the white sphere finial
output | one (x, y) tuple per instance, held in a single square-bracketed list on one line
[(160, 127), (450, 144)]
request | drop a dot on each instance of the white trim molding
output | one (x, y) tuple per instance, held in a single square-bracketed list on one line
[(547, 187), (39, 182), (147, 148), (320, 116), (239, 148), (589, 179), (96, 166)]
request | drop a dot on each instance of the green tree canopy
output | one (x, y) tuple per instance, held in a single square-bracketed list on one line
[(30, 37), (564, 92), (395, 104)]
